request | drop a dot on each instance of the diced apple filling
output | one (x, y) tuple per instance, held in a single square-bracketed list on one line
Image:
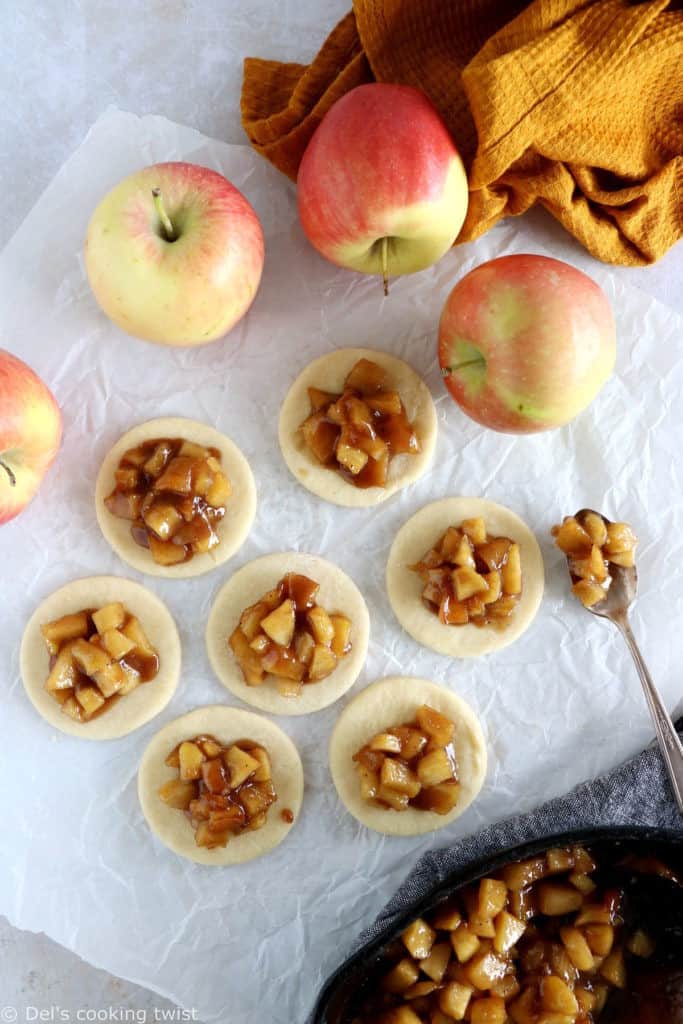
[(485, 956), (592, 545), (223, 790), (286, 634), (174, 493), (96, 657), (470, 576), (411, 765), (359, 431)]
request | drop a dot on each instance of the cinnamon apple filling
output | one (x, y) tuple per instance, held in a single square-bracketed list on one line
[(222, 790), (411, 765), (592, 545), (541, 941), (286, 634), (471, 576), (97, 656), (174, 494), (358, 431)]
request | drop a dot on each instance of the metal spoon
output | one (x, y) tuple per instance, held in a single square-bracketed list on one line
[(620, 595)]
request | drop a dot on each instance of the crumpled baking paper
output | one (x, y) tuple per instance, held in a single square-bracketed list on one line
[(560, 705)]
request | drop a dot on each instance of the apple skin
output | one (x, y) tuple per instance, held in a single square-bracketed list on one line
[(30, 434), (189, 291), (382, 164), (525, 343)]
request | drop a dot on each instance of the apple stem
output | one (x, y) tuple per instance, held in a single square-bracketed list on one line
[(10, 474), (446, 371), (166, 223), (385, 260)]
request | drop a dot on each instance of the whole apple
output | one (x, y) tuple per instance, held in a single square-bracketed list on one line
[(174, 254), (525, 343), (30, 434), (381, 187)]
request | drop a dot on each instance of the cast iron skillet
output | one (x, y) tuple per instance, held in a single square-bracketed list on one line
[(660, 909)]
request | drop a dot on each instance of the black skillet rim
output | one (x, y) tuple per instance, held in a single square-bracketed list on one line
[(349, 975)]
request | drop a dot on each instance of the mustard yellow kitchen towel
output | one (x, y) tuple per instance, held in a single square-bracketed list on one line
[(573, 104)]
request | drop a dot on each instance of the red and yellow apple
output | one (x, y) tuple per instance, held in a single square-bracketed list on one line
[(174, 254), (30, 434), (381, 187), (525, 343)]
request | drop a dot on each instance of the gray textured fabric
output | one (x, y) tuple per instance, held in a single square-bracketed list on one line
[(636, 793)]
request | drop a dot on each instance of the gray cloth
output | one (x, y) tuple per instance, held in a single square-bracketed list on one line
[(636, 793)]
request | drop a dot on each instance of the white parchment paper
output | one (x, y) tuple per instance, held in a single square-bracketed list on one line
[(77, 860)]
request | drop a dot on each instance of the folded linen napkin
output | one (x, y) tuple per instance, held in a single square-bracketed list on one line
[(573, 104)]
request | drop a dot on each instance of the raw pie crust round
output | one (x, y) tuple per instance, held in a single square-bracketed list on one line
[(337, 593), (393, 702), (328, 373), (132, 710), (239, 510), (227, 725), (404, 586)]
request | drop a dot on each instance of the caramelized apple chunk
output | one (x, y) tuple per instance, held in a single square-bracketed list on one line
[(111, 616), (411, 765), (471, 577), (367, 378), (279, 625), (592, 545), (223, 791), (174, 493), (97, 656), (248, 659), (288, 635), (69, 627), (358, 431), (64, 674)]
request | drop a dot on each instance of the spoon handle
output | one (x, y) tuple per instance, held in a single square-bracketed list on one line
[(669, 743)]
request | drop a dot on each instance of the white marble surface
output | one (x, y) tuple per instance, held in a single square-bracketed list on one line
[(66, 61)]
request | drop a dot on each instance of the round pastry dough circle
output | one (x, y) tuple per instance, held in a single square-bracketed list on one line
[(329, 373), (137, 707), (393, 702), (338, 593), (227, 725), (239, 510), (404, 587)]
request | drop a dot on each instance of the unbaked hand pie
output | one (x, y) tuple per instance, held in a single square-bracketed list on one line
[(175, 498), (465, 576), (288, 633), (356, 426), (100, 657), (220, 785), (407, 756)]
